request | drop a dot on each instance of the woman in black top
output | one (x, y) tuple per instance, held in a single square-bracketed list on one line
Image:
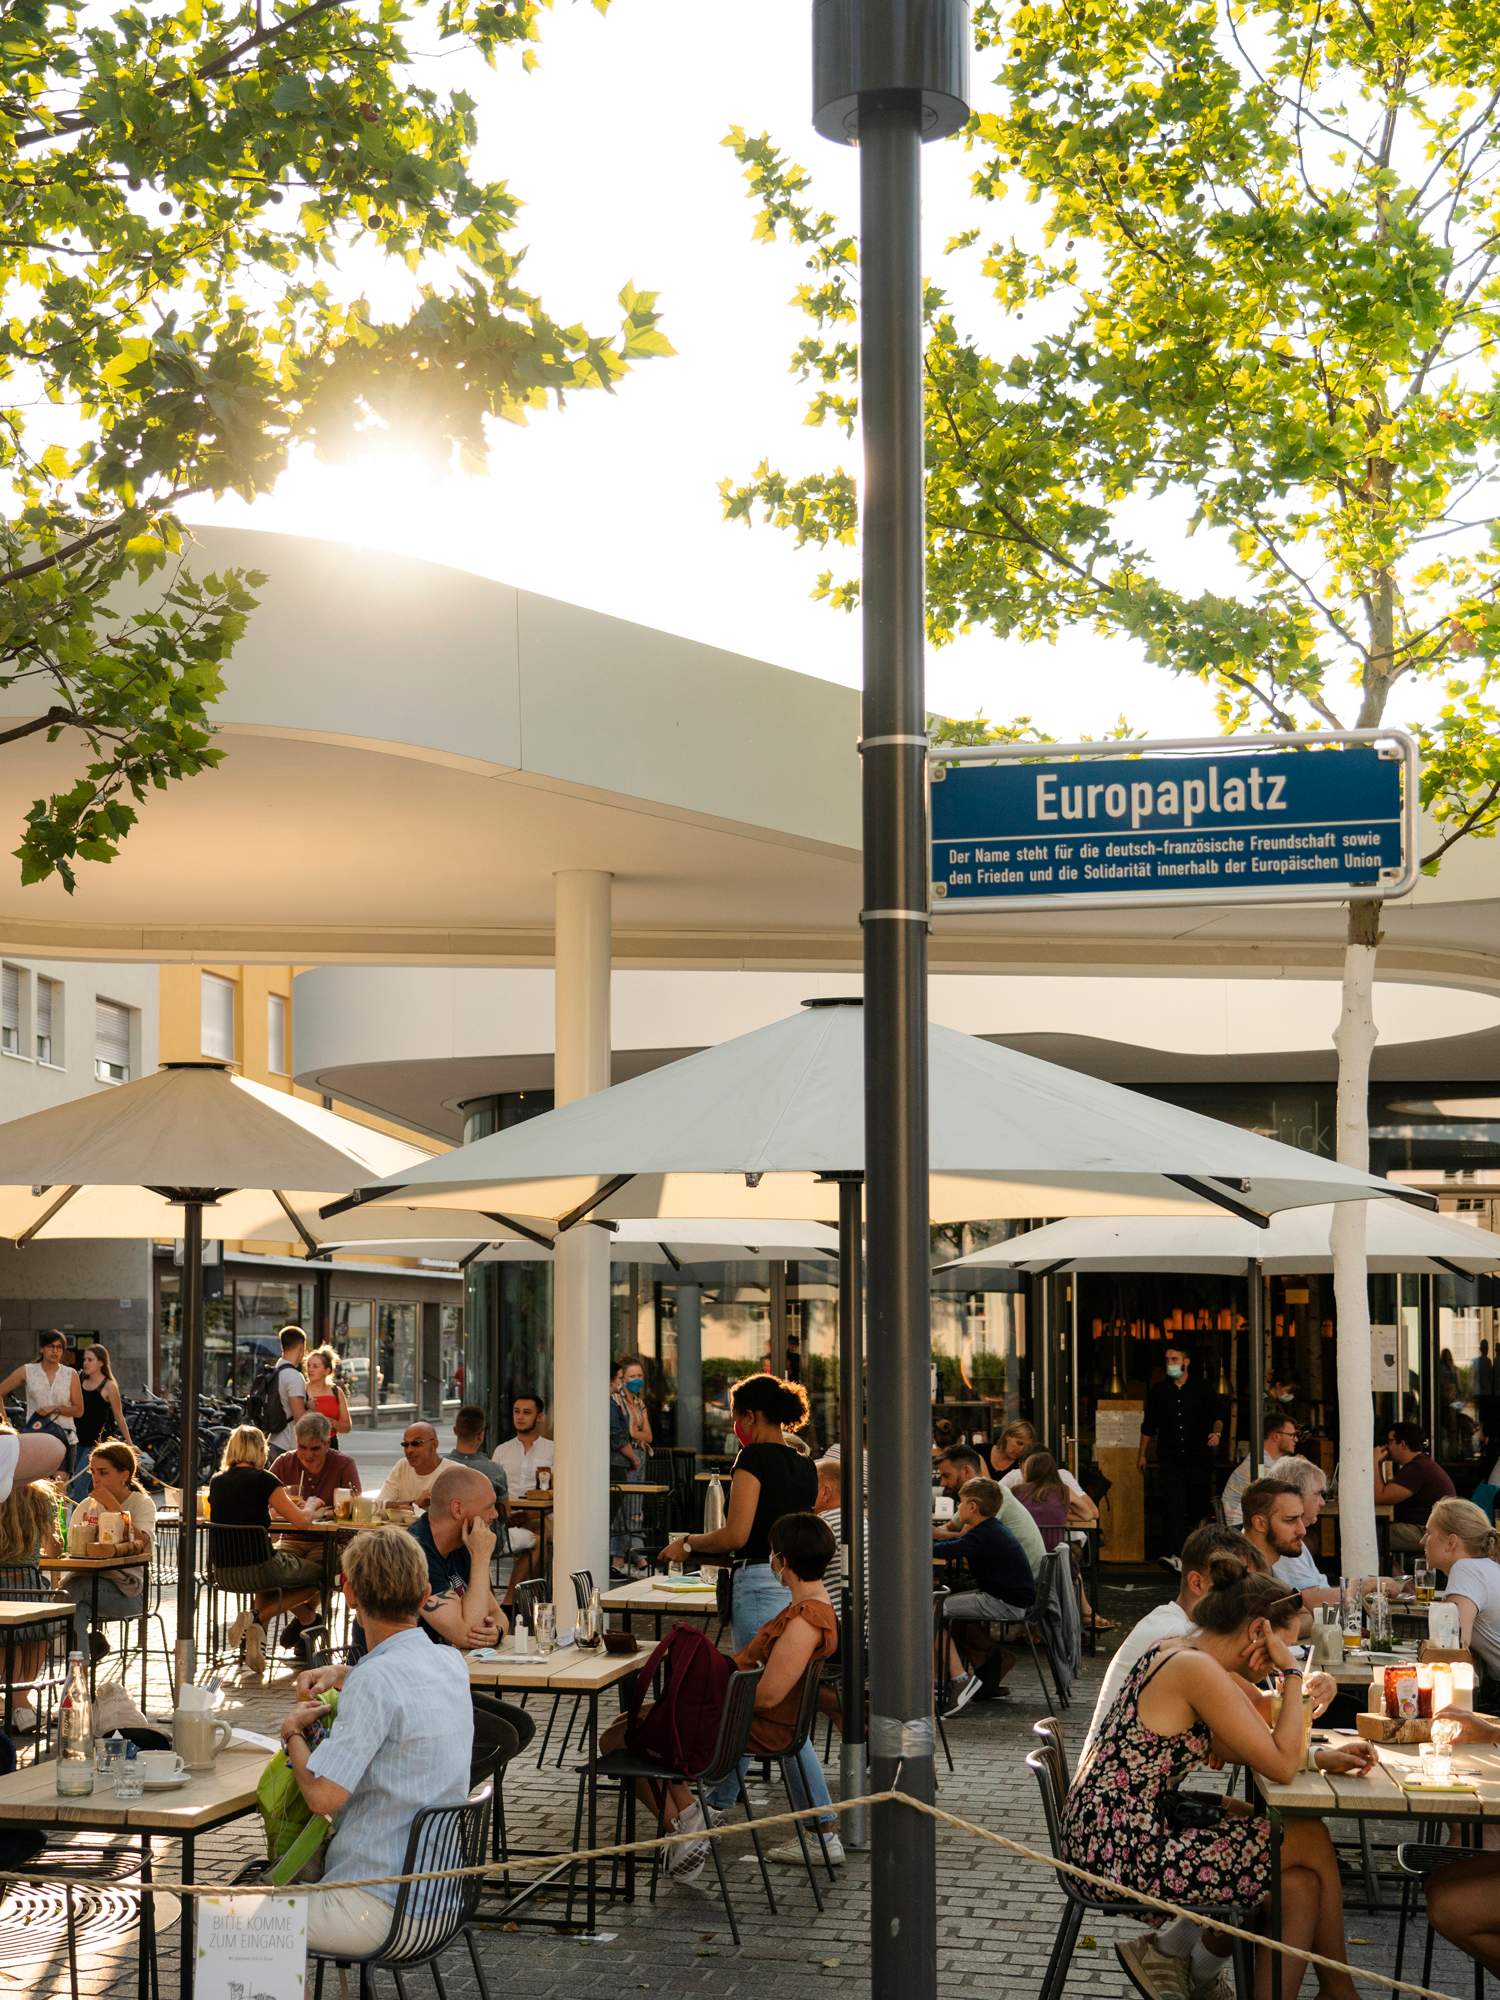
[(773, 1475), (242, 1497), (103, 1415)]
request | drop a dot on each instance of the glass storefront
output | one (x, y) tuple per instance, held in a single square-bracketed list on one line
[(353, 1327), (451, 1352), (396, 1347), (240, 1330)]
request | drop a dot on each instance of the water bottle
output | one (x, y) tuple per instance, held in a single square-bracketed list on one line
[(130, 1779), (62, 1522), (75, 1734), (522, 1640)]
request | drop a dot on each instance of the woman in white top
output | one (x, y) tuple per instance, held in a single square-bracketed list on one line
[(53, 1391), (121, 1592), (1460, 1540)]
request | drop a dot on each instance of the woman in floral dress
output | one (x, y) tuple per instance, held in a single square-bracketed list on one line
[(1183, 1707)]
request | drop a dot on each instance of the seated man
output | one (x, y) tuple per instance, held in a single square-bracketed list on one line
[(1005, 1591), (468, 1449), (1275, 1528), (403, 1741), (1279, 1442), (313, 1470), (954, 1469), (1415, 1485), (411, 1481)]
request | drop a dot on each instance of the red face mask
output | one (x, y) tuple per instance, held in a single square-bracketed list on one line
[(744, 1429)]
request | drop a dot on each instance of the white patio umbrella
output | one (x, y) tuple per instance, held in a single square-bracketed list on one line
[(772, 1124), (149, 1158), (1399, 1238), (683, 1243)]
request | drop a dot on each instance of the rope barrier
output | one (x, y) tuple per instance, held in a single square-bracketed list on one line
[(545, 1864)]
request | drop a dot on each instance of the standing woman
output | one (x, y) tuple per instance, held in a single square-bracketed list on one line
[(53, 1393), (103, 1414), (325, 1393), (772, 1476)]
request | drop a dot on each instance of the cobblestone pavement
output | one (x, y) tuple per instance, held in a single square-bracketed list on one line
[(997, 1914)]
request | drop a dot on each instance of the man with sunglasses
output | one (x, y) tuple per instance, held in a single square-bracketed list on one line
[(410, 1482)]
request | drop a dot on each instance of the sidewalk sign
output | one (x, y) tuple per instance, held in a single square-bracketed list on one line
[(251, 1947), (1233, 819)]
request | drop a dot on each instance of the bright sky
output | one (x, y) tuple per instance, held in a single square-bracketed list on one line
[(614, 146)]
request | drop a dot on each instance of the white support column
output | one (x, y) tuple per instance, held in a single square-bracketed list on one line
[(580, 1272)]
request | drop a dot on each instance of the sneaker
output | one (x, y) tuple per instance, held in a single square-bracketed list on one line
[(255, 1647), (962, 1693), (686, 1864), (23, 1718), (239, 1628), (992, 1691), (1220, 1987), (1152, 1971), (98, 1645), (789, 1855)]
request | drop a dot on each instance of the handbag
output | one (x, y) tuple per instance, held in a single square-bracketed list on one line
[(1196, 1812)]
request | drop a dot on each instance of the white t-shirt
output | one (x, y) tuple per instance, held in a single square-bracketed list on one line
[(40, 1393), (289, 1382), (142, 1511), (1167, 1621), (1300, 1572), (521, 1465), (10, 1454), (1478, 1579), (406, 1487)]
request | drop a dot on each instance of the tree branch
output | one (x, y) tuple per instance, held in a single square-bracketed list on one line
[(1466, 825)]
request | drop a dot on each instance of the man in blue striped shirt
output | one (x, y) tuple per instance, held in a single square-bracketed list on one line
[(402, 1741)]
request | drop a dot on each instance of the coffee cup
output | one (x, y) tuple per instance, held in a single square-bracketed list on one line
[(199, 1738), (158, 1766)]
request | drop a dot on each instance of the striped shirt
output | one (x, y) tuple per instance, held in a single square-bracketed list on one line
[(402, 1740)]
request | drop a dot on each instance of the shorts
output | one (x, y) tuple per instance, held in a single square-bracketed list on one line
[(284, 1571), (979, 1608)]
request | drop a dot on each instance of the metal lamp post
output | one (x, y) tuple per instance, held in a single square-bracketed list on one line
[(887, 75)]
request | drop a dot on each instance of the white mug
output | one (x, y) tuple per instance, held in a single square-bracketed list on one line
[(158, 1765)]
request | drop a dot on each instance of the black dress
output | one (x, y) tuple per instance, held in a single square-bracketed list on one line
[(97, 1421)]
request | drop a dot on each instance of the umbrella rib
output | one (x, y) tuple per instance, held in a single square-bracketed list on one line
[(675, 1262), (357, 1200), (1210, 1192), (586, 1208), (309, 1241), (42, 1220), (521, 1229)]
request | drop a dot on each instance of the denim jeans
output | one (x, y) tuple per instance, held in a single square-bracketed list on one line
[(114, 1605), (757, 1599)]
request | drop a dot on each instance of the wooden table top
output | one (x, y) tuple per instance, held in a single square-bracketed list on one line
[(568, 1670), (1383, 1510), (651, 1593), (635, 1486), (1380, 1795), (17, 1611), (536, 1503), (58, 1565), (207, 1799)]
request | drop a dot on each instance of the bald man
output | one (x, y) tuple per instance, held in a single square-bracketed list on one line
[(411, 1481)]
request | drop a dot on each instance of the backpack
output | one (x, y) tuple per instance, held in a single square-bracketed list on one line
[(680, 1730), (263, 1404)]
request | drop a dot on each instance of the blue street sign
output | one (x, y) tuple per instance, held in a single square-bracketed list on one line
[(1327, 822)]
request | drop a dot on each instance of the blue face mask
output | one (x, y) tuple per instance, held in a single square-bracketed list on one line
[(635, 1384), (1174, 1370)]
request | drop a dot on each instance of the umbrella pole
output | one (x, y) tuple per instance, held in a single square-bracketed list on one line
[(1257, 1328), (192, 1368), (853, 1760)]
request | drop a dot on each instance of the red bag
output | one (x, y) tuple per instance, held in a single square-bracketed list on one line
[(681, 1727)]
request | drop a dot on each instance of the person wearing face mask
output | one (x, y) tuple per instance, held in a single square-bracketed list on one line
[(629, 1440), (1184, 1421), (1184, 1705), (770, 1477)]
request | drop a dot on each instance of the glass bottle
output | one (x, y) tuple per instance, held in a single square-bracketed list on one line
[(75, 1734)]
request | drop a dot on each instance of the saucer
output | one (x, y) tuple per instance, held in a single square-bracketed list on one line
[(171, 1784)]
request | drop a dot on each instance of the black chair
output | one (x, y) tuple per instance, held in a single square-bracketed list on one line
[(1416, 1860), (50, 1638), (239, 1549), (627, 1769), (802, 1729), (940, 1683), (583, 1591), (430, 1916), (1049, 1767), (1034, 1627)]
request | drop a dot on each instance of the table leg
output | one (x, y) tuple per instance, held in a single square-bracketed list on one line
[(1093, 1541), (1278, 1989), (593, 1791), (10, 1677), (146, 1975), (188, 1922), (93, 1627)]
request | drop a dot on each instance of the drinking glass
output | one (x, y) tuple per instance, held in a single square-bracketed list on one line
[(1353, 1611), (1426, 1580), (676, 1569), (1380, 1621), (546, 1628)]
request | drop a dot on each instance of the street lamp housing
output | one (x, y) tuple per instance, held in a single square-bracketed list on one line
[(868, 52)]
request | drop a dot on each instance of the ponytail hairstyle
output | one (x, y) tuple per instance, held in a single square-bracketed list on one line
[(122, 1457), (768, 1396), (1470, 1524), (1237, 1593)]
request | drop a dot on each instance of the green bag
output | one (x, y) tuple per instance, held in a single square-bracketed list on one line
[(294, 1834)]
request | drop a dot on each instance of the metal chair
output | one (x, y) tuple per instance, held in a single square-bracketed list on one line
[(1417, 1860), (802, 1729), (50, 1638), (627, 1769), (430, 1916), (1033, 1628), (1049, 1768), (583, 1591), (239, 1549), (940, 1682)]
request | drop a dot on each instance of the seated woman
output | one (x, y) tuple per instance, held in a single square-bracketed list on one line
[(1460, 1540), (28, 1530), (243, 1496), (122, 1592), (785, 1648), (1183, 1707), (1045, 1498), (402, 1742)]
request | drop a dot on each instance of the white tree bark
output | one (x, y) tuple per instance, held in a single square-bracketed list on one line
[(1355, 1041)]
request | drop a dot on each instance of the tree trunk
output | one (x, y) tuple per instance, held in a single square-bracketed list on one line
[(1355, 1041)]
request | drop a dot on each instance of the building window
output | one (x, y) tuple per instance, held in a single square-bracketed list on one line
[(276, 1054), (49, 1010), (217, 1018), (10, 1010), (111, 1042)]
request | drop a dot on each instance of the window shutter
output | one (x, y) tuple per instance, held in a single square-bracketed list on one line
[(10, 1009), (217, 1018), (45, 989), (111, 1042), (276, 1049)]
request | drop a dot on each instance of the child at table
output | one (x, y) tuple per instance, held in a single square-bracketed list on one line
[(28, 1531)]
